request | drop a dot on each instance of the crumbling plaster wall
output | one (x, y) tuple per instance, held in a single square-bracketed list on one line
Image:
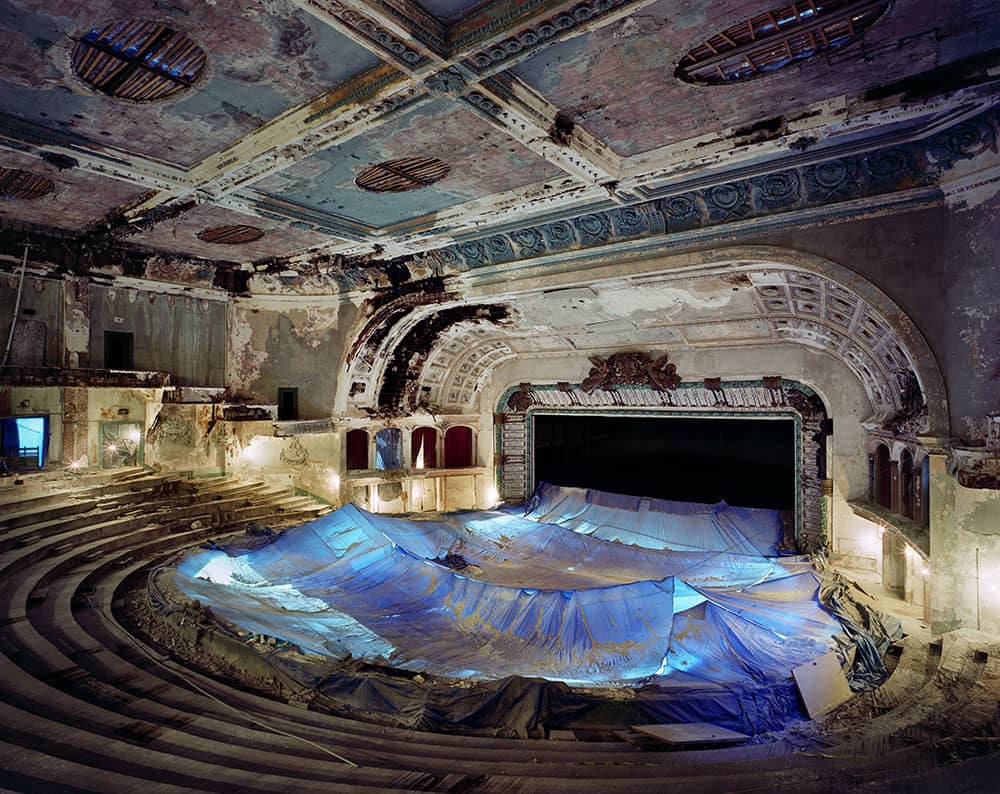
[(41, 305), (940, 266), (115, 405), (275, 345), (182, 335), (965, 554)]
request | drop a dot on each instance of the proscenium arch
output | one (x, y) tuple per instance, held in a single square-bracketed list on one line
[(476, 353)]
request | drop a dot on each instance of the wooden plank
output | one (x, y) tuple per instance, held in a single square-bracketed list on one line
[(822, 684), (691, 733)]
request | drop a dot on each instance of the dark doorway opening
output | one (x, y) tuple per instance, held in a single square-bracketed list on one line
[(288, 404), (883, 477), (745, 462), (118, 350)]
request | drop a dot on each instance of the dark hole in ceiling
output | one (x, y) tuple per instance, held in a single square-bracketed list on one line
[(396, 176), (231, 235), (24, 185), (562, 128), (777, 38), (745, 462), (402, 375), (138, 60)]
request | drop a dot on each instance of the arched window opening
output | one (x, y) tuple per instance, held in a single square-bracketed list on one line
[(388, 449), (423, 443), (357, 450), (457, 447), (883, 477), (906, 484), (777, 38)]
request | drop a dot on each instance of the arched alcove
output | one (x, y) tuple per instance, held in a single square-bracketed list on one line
[(883, 477), (423, 448), (356, 445), (458, 451), (389, 449), (906, 484)]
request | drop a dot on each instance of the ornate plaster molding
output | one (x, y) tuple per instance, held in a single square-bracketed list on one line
[(882, 171), (631, 369)]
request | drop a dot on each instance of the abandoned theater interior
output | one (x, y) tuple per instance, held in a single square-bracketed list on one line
[(456, 396)]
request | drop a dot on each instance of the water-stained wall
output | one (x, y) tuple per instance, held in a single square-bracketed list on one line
[(182, 335), (286, 347), (38, 336)]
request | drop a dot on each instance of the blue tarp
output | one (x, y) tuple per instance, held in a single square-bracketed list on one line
[(492, 594), (659, 523)]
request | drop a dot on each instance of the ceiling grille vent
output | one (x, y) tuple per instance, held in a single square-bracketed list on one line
[(395, 176), (770, 41), (18, 184), (231, 235), (138, 60)]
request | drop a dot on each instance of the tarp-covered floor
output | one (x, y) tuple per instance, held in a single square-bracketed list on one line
[(579, 587)]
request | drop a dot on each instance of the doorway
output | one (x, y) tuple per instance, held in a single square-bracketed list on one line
[(118, 350), (121, 444)]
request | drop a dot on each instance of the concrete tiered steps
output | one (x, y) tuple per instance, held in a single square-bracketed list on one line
[(86, 706)]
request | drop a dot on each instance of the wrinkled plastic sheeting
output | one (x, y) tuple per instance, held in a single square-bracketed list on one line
[(658, 523), (433, 618), (351, 583), (869, 630)]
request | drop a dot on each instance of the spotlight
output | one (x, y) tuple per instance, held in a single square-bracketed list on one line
[(333, 481), (134, 436), (112, 447)]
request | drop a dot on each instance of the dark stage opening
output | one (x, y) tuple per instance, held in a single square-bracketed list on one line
[(746, 462)]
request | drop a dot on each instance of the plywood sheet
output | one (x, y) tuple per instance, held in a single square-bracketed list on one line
[(691, 733), (822, 684)]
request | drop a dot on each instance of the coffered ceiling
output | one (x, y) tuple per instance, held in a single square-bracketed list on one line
[(539, 112)]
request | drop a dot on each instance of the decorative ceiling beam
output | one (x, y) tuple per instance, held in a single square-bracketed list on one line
[(397, 40), (72, 151), (407, 19), (499, 35), (514, 107)]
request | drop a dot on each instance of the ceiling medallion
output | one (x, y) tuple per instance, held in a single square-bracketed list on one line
[(396, 176)]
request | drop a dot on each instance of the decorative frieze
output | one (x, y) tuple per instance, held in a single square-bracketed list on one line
[(887, 170)]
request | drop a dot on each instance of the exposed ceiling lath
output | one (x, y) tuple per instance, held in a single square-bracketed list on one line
[(18, 184), (231, 235), (409, 173), (138, 60), (777, 38)]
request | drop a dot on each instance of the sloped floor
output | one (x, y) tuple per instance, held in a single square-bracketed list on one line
[(86, 705)]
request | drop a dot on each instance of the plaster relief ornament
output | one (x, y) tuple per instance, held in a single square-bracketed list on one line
[(631, 369), (295, 454), (520, 401)]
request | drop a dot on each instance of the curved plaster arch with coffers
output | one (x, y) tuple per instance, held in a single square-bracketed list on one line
[(681, 301)]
